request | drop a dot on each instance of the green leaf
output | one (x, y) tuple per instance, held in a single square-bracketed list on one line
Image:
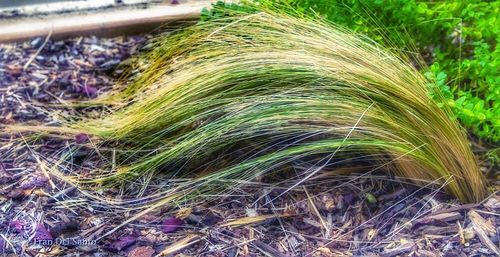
[(370, 198)]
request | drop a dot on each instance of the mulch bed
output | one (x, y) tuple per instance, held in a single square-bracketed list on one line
[(358, 215)]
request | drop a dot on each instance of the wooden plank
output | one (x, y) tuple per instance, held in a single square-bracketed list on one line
[(109, 22)]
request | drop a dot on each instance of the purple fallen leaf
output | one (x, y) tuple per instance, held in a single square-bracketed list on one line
[(34, 181), (82, 138), (90, 91), (41, 181), (18, 225), (171, 224), (123, 242), (174, 2), (41, 233)]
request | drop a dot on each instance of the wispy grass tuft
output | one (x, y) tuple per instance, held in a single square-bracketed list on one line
[(238, 97)]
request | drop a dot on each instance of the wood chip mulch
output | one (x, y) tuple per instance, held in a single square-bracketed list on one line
[(358, 215)]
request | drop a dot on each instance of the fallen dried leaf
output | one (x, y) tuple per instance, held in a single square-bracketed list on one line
[(141, 251), (16, 193), (81, 138), (371, 234), (18, 225), (90, 91), (183, 213), (41, 233), (14, 69), (123, 242), (328, 203)]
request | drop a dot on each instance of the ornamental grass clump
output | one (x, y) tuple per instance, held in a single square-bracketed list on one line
[(231, 99)]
